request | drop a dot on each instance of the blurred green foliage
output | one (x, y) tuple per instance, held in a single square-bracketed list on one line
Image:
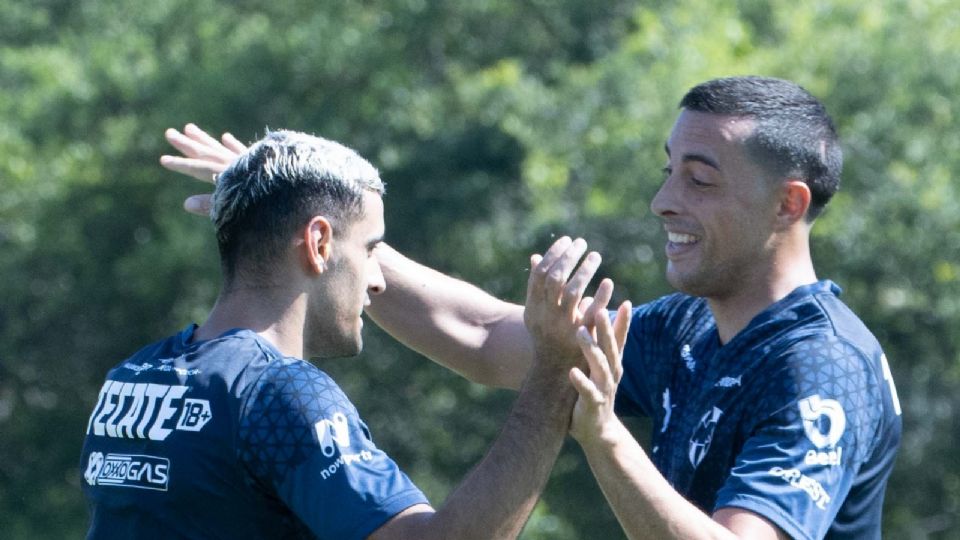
[(497, 125)]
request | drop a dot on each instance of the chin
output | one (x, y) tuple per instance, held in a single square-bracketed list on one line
[(343, 347)]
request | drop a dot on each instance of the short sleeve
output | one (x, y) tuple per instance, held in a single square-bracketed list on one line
[(815, 426), (302, 440)]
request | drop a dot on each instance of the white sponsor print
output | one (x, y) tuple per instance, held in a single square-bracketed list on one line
[(330, 432), (146, 411), (729, 382), (128, 470), (824, 459), (824, 423), (795, 478), (887, 376), (335, 433), (813, 411), (703, 436), (345, 459), (166, 367), (687, 357), (667, 410)]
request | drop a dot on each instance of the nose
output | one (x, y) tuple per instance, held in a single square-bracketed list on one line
[(376, 283), (664, 203)]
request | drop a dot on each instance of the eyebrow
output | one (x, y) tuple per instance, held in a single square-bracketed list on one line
[(685, 158)]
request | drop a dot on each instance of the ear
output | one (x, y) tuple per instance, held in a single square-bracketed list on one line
[(317, 244), (794, 202)]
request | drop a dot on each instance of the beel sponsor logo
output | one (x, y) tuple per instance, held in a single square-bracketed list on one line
[(128, 470), (823, 420)]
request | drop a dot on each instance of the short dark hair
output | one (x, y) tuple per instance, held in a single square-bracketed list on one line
[(276, 186), (793, 135)]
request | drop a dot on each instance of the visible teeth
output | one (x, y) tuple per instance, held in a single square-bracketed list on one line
[(679, 238)]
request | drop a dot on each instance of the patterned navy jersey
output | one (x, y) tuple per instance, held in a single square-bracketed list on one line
[(795, 419), (227, 438)]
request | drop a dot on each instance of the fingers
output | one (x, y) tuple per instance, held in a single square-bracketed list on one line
[(197, 168), (198, 204), (621, 324), (540, 265), (597, 361), (575, 287), (612, 354), (233, 144), (585, 387), (204, 139), (196, 143), (584, 309), (550, 276)]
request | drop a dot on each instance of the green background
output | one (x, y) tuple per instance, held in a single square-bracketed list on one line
[(498, 124)]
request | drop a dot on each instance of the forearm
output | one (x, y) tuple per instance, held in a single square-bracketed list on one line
[(452, 322), (645, 504), (498, 495)]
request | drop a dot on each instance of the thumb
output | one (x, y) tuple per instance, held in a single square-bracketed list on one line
[(198, 204)]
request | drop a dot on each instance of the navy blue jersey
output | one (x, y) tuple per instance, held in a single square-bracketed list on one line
[(795, 419), (227, 438)]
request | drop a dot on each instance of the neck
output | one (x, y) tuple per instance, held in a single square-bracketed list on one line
[(786, 270), (276, 314)]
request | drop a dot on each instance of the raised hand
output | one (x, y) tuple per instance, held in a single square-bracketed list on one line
[(555, 302), (603, 350), (203, 157)]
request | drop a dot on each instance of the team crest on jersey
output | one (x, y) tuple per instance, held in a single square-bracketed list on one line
[(703, 436), (128, 470)]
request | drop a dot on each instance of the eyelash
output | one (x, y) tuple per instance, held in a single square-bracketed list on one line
[(667, 171)]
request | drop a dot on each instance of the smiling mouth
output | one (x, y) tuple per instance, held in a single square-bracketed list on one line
[(681, 238)]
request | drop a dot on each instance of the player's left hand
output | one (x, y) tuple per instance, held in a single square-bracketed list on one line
[(603, 350), (203, 157)]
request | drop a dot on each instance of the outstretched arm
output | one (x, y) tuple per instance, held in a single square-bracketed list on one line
[(447, 320), (496, 498), (646, 505), (452, 322)]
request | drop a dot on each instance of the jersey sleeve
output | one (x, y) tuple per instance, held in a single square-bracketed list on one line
[(303, 441), (815, 426)]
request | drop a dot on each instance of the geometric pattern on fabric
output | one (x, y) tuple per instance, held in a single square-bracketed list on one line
[(765, 399), (276, 430), (832, 368)]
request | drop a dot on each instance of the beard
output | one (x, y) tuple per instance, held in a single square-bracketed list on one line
[(332, 340)]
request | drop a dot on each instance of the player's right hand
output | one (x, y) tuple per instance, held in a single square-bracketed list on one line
[(555, 303)]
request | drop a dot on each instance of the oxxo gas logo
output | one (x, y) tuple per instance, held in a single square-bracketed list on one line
[(146, 411), (128, 470), (824, 423)]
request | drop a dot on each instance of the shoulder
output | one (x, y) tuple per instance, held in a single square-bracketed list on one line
[(295, 386), (674, 310)]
